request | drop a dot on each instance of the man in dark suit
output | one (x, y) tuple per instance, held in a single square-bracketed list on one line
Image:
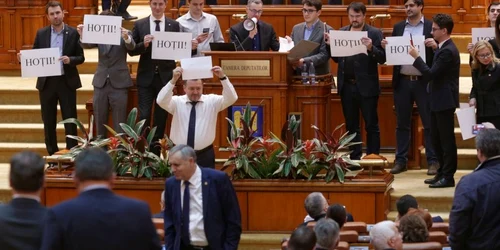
[(201, 207), (152, 74), (62, 89), (443, 88), (409, 87), (21, 221), (111, 82), (97, 218), (261, 38), (358, 84)]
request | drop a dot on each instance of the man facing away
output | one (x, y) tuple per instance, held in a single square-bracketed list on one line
[(201, 207), (195, 114), (22, 220), (97, 218), (385, 236)]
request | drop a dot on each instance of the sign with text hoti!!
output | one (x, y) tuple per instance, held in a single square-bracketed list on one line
[(102, 29)]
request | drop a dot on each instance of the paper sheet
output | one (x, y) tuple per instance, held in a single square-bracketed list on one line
[(197, 68), (466, 119), (40, 62), (284, 45)]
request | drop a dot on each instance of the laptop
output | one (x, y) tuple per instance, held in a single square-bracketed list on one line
[(222, 47)]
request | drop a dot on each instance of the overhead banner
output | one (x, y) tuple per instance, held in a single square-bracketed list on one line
[(398, 47), (171, 45), (40, 62), (479, 34), (347, 43), (99, 29)]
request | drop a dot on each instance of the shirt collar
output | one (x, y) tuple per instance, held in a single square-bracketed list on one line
[(313, 25), (95, 186), (54, 31), (152, 18), (26, 196), (421, 20), (195, 178), (188, 16), (441, 43), (487, 160), (202, 99)]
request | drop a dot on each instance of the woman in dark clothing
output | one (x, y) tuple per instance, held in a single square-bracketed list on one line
[(485, 92)]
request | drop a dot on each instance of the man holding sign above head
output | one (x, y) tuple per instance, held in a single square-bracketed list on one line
[(59, 89), (204, 27), (357, 78), (195, 114), (256, 36), (443, 88), (493, 11), (408, 83), (152, 74), (111, 79)]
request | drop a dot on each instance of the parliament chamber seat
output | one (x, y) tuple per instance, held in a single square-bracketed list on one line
[(357, 226), (422, 246), (350, 236)]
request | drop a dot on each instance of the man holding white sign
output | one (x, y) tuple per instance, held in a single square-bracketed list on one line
[(59, 89), (493, 11), (409, 86), (195, 114), (357, 80), (152, 74)]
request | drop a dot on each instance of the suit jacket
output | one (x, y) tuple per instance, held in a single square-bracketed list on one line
[(71, 48), (443, 76), (239, 36), (146, 68), (112, 63), (399, 30), (99, 219), (486, 90), (21, 224), (320, 56), (365, 66), (221, 211)]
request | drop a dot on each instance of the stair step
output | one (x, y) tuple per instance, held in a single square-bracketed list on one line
[(7, 149), (467, 158), (29, 132), (32, 114), (461, 143)]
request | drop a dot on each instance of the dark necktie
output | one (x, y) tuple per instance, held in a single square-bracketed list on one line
[(192, 125), (185, 215), (157, 25)]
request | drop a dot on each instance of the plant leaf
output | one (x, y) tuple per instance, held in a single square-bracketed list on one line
[(129, 131), (151, 135), (340, 173), (132, 117), (77, 123), (138, 127), (135, 171)]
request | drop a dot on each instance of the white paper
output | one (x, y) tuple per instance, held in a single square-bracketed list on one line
[(99, 29), (479, 34), (347, 43), (40, 62), (466, 119), (171, 45), (397, 48), (284, 45), (196, 68)]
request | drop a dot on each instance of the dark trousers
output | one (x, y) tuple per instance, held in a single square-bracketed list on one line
[(352, 103), (495, 120), (206, 157), (107, 97), (147, 97), (405, 93), (56, 90), (443, 140)]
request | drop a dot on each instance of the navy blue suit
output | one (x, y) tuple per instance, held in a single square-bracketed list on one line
[(221, 211), (99, 219)]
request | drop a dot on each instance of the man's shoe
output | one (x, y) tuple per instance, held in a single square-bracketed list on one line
[(432, 180), (106, 13), (398, 168), (126, 16), (443, 183), (432, 169)]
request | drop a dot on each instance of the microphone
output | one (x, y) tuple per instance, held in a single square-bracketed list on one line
[(238, 40)]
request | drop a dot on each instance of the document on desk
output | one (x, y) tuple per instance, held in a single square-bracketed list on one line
[(302, 49), (285, 46), (197, 68)]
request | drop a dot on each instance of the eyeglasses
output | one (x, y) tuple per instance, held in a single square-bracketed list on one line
[(308, 11), (494, 10), (256, 12), (484, 56)]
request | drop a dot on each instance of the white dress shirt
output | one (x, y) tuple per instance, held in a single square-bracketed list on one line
[(417, 30), (152, 24), (206, 113), (191, 25), (441, 43), (196, 226)]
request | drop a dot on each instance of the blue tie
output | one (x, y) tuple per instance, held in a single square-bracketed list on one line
[(192, 125), (185, 216)]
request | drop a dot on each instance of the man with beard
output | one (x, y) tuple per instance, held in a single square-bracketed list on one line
[(410, 87), (358, 84)]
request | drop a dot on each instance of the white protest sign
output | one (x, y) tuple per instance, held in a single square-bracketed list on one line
[(347, 43), (196, 68), (99, 29), (479, 34), (171, 45), (466, 119), (397, 48), (40, 62)]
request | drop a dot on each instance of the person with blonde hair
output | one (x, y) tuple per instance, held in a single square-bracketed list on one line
[(485, 92)]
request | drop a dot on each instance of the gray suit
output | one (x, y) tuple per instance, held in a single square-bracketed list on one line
[(319, 56), (111, 82)]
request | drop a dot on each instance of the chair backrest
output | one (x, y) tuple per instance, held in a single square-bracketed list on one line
[(350, 236), (440, 226), (438, 236), (359, 227), (311, 224), (423, 246), (342, 246)]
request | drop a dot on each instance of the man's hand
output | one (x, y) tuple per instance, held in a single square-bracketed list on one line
[(64, 59), (367, 42), (430, 42), (201, 37), (194, 44), (125, 34), (472, 102), (413, 52), (327, 38), (79, 28), (217, 70), (288, 39), (252, 33), (470, 47), (19, 56), (176, 74), (147, 40), (383, 43)]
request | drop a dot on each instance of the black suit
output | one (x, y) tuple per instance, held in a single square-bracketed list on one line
[(99, 219), (152, 75), (361, 91), (62, 89), (406, 92), (443, 87), (239, 36), (21, 224), (486, 91)]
